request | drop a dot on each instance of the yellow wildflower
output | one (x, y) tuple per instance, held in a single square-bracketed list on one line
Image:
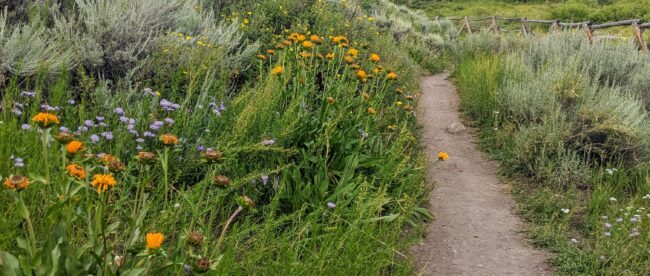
[(102, 182)]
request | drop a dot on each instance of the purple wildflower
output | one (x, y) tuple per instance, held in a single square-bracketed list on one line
[(169, 121), (156, 125), (268, 142), (71, 102), (102, 124), (331, 205), (88, 123), (64, 129), (149, 134), (199, 148), (133, 131), (168, 106), (124, 119), (94, 138), (119, 111), (139, 140), (265, 180), (30, 94), (107, 135), (99, 118), (18, 162), (26, 127)]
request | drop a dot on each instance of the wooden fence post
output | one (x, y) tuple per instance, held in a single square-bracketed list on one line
[(468, 25), (494, 25), (556, 27), (524, 26), (590, 33), (638, 37)]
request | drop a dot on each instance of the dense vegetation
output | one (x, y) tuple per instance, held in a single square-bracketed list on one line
[(569, 121), (254, 137)]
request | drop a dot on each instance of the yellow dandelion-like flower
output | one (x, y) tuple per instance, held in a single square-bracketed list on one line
[(45, 120), (277, 70), (307, 44), (353, 52), (391, 76), (102, 182), (374, 57), (443, 156)]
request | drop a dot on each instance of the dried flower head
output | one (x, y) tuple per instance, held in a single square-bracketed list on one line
[(246, 202), (169, 139), (16, 182), (76, 171), (102, 182), (146, 157), (116, 166), (45, 120), (203, 264), (210, 155), (64, 137), (195, 238), (221, 181)]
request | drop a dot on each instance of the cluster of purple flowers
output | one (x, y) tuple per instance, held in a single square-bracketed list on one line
[(217, 109), (18, 162), (168, 106)]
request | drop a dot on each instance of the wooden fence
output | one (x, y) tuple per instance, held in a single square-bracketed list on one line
[(638, 26)]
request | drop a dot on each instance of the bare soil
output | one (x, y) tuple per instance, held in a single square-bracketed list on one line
[(475, 231)]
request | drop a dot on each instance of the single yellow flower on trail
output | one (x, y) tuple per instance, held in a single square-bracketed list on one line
[(154, 240), (74, 147), (76, 171), (443, 156), (45, 120), (102, 182), (277, 70), (16, 182)]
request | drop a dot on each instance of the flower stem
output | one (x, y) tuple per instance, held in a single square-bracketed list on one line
[(165, 166), (225, 227), (45, 155)]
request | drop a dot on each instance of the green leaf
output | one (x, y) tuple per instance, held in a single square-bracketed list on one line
[(9, 265), (388, 218), (134, 272)]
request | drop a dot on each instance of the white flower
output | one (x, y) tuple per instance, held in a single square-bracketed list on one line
[(565, 210), (646, 196), (177, 205), (612, 199), (574, 241), (609, 171)]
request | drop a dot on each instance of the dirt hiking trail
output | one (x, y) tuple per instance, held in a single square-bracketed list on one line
[(475, 231)]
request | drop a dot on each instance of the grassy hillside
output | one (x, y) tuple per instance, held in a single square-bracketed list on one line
[(574, 10), (228, 137)]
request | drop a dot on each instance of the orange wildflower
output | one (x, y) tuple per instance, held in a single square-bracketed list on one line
[(16, 182), (371, 111), (102, 182), (73, 147), (374, 57), (353, 52), (76, 171), (307, 44), (154, 240), (330, 56), (391, 76), (45, 120), (277, 70), (443, 156)]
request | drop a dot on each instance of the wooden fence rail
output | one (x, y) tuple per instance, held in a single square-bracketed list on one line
[(638, 26)]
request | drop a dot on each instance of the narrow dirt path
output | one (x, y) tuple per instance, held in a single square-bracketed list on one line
[(475, 231)]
